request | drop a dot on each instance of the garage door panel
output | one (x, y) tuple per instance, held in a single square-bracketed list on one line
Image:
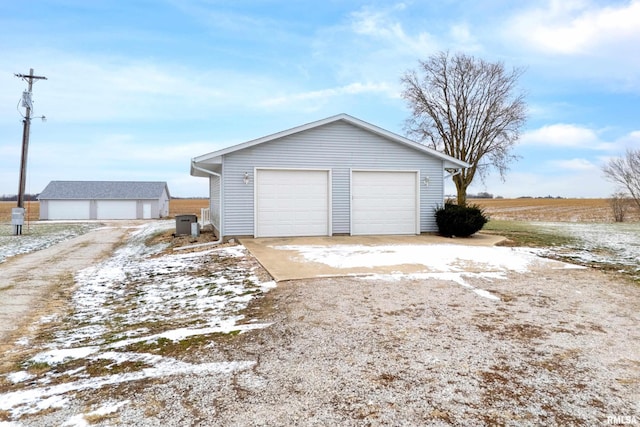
[(116, 209), (69, 209), (384, 203), (292, 203)]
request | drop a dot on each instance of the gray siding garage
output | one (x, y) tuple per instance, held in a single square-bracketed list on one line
[(339, 175), (83, 200)]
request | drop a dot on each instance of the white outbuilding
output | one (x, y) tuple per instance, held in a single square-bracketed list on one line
[(82, 200), (339, 175)]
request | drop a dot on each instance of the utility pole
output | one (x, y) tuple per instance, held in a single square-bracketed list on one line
[(26, 122)]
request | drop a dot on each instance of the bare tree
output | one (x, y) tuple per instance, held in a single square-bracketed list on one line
[(625, 171), (467, 108), (619, 203)]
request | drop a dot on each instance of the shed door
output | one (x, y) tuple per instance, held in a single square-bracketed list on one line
[(384, 203), (292, 203), (146, 211), (69, 209), (116, 209)]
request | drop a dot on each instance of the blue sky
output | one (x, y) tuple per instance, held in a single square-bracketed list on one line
[(137, 88)]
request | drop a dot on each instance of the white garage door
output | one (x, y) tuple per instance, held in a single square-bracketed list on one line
[(384, 203), (116, 209), (69, 209), (292, 203)]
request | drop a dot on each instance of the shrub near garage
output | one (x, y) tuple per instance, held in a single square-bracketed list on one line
[(460, 221)]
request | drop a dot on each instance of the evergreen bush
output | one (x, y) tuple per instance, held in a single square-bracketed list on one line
[(460, 221)]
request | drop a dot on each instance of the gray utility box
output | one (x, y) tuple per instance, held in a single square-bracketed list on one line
[(195, 230), (183, 224), (17, 216)]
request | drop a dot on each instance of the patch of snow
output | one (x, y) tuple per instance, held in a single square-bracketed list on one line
[(439, 258), (227, 326), (166, 288), (37, 399), (442, 261), (54, 357), (448, 276), (617, 243), (49, 319), (18, 377), (38, 236), (80, 420), (486, 294), (232, 251), (23, 341)]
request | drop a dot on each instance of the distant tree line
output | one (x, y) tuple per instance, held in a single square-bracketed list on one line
[(485, 195), (14, 197), (541, 197), (481, 195)]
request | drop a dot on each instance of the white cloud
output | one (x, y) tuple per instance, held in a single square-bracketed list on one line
[(578, 41), (381, 25), (630, 140), (314, 100), (462, 37), (579, 27), (574, 164), (100, 88), (562, 135), (372, 44)]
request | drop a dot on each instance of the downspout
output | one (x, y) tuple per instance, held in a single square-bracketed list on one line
[(219, 204), (454, 173)]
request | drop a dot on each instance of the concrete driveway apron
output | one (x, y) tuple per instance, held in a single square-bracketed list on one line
[(283, 258)]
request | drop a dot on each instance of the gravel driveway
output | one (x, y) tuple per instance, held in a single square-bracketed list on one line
[(559, 348), (552, 346)]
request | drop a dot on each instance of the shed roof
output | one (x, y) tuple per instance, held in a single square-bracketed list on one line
[(216, 156), (110, 190)]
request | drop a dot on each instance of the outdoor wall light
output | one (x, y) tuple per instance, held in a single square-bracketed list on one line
[(245, 179), (425, 180)]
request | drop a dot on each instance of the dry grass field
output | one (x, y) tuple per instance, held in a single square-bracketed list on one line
[(176, 207), (187, 206), (562, 210), (32, 210), (551, 210)]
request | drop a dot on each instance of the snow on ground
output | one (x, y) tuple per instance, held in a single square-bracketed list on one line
[(443, 258), (38, 236), (139, 295), (608, 244), (80, 420), (447, 262)]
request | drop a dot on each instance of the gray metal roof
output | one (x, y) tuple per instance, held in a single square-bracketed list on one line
[(110, 190)]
